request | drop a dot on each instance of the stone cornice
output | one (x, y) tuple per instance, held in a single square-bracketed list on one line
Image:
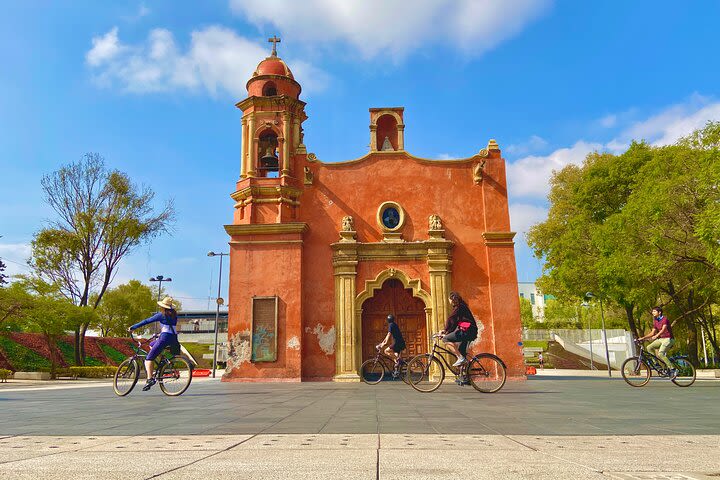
[(266, 229), (437, 249), (499, 239), (265, 191), (279, 100)]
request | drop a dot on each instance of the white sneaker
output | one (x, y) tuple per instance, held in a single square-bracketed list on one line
[(459, 362)]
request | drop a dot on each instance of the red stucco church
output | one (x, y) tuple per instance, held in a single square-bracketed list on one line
[(320, 253)]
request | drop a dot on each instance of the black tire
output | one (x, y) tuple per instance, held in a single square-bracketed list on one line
[(372, 371), (126, 376), (486, 373), (635, 372), (403, 373), (685, 372), (425, 373), (175, 376)]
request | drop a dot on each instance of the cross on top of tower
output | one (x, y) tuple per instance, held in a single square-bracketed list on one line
[(274, 40)]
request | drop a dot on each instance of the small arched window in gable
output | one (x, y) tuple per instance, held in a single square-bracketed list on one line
[(269, 89)]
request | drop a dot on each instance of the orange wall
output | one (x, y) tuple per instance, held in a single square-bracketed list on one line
[(303, 276)]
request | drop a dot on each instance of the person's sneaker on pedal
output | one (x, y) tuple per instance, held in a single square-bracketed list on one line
[(149, 384), (672, 373), (459, 362)]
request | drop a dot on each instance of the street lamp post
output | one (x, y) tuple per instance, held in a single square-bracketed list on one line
[(218, 301), (585, 305), (160, 279), (602, 318)]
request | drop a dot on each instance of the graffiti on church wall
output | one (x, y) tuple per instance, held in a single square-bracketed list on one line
[(264, 329), (325, 339)]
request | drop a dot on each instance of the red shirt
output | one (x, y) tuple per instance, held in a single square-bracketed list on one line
[(658, 324)]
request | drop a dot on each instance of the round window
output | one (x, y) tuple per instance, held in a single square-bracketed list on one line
[(391, 216)]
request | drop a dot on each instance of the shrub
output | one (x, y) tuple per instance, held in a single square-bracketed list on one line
[(5, 374), (88, 372), (67, 351)]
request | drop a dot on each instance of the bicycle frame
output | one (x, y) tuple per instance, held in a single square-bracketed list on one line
[(654, 362)]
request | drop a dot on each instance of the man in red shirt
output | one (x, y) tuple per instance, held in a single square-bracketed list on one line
[(661, 336)]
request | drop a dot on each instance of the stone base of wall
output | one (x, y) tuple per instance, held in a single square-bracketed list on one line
[(31, 376)]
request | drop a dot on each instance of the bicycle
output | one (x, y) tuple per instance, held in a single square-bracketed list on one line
[(172, 372), (637, 370), (373, 370), (426, 372)]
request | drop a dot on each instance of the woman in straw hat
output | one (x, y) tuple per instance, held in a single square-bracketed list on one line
[(167, 317)]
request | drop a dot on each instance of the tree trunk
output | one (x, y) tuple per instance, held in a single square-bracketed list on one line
[(692, 342), (629, 309), (83, 329), (78, 349)]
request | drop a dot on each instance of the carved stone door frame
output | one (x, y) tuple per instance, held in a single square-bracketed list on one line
[(347, 253)]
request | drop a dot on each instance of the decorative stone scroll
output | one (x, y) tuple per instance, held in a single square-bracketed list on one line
[(478, 172), (308, 176)]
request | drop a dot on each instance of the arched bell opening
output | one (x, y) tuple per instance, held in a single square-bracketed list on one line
[(269, 89), (387, 133), (268, 155)]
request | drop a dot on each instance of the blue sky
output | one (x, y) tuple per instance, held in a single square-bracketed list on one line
[(152, 86)]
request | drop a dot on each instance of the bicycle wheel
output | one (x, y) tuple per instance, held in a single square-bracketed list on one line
[(685, 372), (175, 376), (635, 372), (372, 371), (425, 373), (403, 373), (486, 373), (126, 376)]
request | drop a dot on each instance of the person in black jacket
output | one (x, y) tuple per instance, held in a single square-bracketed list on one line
[(460, 328)]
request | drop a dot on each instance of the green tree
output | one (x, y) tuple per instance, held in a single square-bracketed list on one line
[(526, 313), (123, 306), (3, 277), (101, 216)]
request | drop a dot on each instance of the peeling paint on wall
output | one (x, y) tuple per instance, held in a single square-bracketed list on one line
[(240, 350), (480, 328), (325, 339), (293, 343)]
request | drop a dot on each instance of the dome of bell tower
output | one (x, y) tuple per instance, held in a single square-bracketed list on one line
[(273, 77)]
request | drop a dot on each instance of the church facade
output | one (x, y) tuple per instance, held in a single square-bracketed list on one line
[(321, 253)]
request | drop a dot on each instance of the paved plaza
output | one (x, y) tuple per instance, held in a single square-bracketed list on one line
[(547, 427)]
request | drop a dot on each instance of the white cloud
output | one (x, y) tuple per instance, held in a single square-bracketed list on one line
[(533, 144), (609, 121), (394, 28), (446, 156), (525, 215), (104, 49), (15, 257), (674, 122), (530, 176), (217, 61)]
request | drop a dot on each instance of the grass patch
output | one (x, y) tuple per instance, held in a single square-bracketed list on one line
[(22, 358), (112, 354), (67, 351), (93, 362), (197, 350), (536, 344)]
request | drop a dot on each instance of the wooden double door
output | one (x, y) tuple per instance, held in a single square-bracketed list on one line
[(409, 313)]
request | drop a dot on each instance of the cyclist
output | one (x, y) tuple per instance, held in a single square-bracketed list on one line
[(662, 338), (167, 317), (460, 328), (393, 340)]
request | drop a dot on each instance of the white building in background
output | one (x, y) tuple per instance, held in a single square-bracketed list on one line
[(537, 299)]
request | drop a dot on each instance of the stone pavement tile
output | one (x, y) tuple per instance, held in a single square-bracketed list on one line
[(312, 441), (657, 476), (478, 465), (448, 442), (53, 444), (149, 443), (275, 464), (82, 466), (640, 453)]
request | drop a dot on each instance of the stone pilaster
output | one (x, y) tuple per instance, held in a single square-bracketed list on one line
[(347, 325), (250, 150), (287, 145)]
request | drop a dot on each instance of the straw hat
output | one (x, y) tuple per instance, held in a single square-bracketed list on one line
[(167, 302)]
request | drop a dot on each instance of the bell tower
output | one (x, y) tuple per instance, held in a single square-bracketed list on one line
[(271, 136)]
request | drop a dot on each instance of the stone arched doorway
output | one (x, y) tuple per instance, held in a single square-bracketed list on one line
[(409, 313)]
